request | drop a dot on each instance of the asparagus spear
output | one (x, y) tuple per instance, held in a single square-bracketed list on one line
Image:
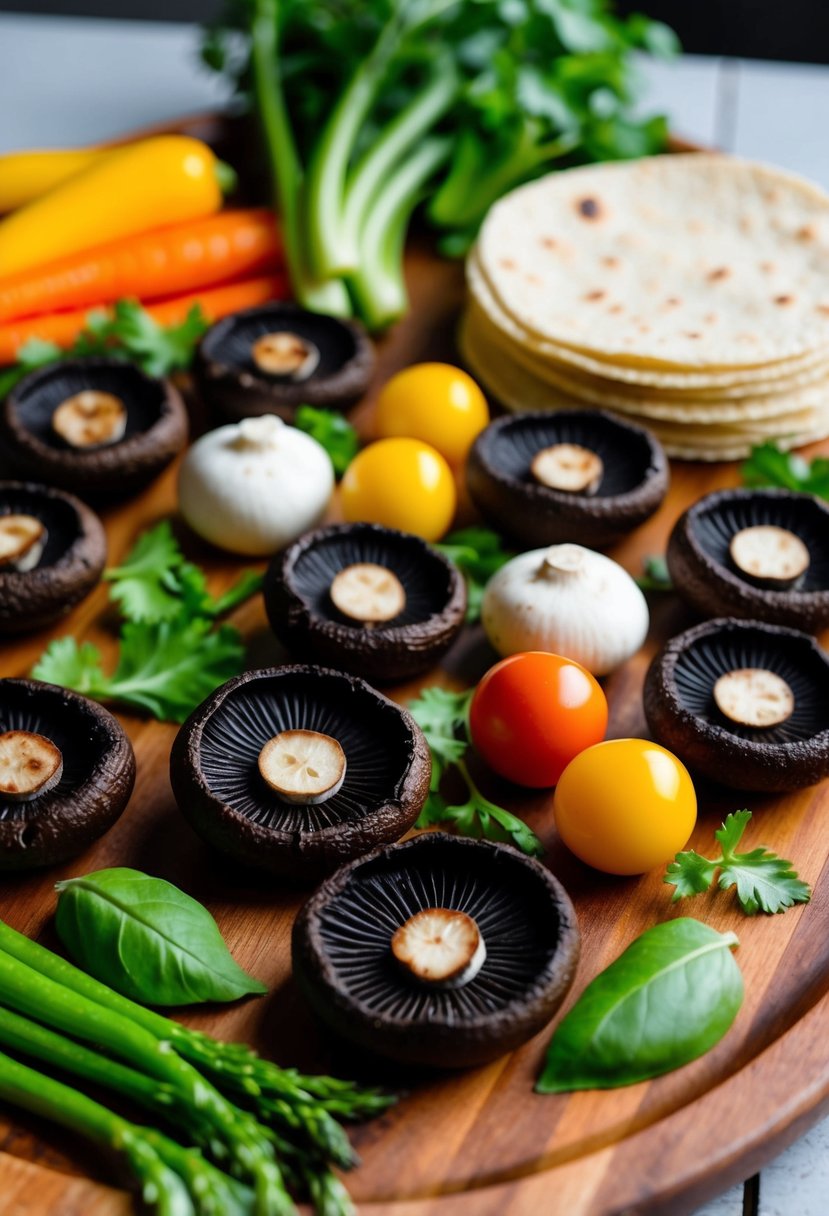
[(161, 1186), (238, 1139)]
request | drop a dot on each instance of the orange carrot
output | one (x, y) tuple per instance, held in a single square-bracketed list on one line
[(64, 328), (164, 262)]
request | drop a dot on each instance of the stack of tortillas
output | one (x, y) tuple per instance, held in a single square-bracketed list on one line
[(688, 292)]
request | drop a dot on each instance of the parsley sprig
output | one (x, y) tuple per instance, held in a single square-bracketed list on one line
[(443, 717), (171, 652), (769, 466), (655, 575), (478, 553), (128, 332), (332, 431), (156, 583), (764, 882)]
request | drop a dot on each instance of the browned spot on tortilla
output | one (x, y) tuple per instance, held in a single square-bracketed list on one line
[(534, 279), (749, 339), (719, 272), (644, 329), (695, 226), (549, 242), (710, 318), (692, 333), (598, 294), (823, 308), (589, 208), (507, 264), (807, 233), (767, 267), (771, 195), (745, 224), (611, 262), (616, 308), (673, 302), (784, 300)]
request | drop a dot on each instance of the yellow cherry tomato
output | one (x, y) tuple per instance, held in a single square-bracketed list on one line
[(400, 483), (625, 806), (434, 402)]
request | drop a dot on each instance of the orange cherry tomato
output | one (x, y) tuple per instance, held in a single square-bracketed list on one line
[(532, 713), (625, 806)]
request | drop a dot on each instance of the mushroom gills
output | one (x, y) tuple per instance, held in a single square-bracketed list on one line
[(568, 467), (367, 593), (30, 765), (769, 555), (22, 541), (441, 947), (303, 766), (753, 696), (285, 355), (91, 418)]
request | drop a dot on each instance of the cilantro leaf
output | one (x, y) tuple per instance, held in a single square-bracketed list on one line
[(156, 348), (155, 583), (166, 669), (333, 432), (478, 553), (33, 354), (763, 881), (769, 466), (655, 575), (441, 714)]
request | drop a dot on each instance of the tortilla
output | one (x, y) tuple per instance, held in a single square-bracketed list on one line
[(668, 264)]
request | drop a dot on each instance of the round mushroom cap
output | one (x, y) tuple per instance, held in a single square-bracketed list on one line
[(633, 481), (95, 784), (70, 565), (344, 963), (220, 791), (704, 573), (236, 387), (156, 427), (304, 617), (683, 715)]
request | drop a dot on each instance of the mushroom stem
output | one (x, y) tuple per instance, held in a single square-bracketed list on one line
[(559, 561)]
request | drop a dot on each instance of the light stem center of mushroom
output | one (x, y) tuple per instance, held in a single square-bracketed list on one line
[(90, 419), (303, 766), (367, 593), (568, 467), (30, 765), (441, 947), (769, 554), (22, 541), (285, 355), (561, 560), (755, 697)]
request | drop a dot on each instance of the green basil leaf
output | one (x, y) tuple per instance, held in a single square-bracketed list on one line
[(147, 940), (668, 999)]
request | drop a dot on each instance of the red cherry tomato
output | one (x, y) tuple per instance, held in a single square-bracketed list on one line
[(532, 713)]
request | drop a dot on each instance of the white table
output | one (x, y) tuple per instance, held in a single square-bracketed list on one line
[(73, 80)]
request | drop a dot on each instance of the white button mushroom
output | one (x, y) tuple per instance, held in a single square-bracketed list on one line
[(254, 487), (569, 601)]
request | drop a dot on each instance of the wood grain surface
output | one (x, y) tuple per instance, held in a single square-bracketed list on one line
[(479, 1143)]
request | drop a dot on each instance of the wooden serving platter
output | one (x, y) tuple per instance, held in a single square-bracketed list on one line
[(479, 1143)]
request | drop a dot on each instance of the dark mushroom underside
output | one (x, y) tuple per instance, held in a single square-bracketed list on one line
[(220, 790), (156, 428), (233, 383), (682, 713), (71, 564), (704, 573), (344, 962), (95, 785), (633, 483), (304, 617)]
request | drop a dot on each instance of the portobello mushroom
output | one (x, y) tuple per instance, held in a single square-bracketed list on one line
[(571, 475), (271, 359), (52, 553), (743, 703), (297, 769), (379, 603), (66, 773), (757, 554), (98, 427), (440, 951)]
